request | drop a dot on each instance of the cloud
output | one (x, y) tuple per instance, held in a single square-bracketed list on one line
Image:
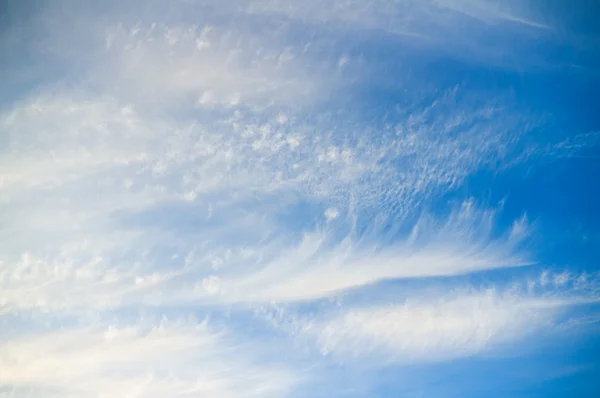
[(222, 157), (140, 53), (433, 325), (506, 35), (212, 66), (84, 167), (442, 328), (406, 14), (430, 23), (322, 264), (492, 12), (319, 267), (146, 359), (578, 145), (53, 139), (71, 135)]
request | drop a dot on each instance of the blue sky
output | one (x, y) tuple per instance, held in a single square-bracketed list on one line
[(270, 198)]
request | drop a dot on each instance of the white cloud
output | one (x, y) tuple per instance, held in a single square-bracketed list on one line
[(458, 28), (74, 160), (148, 359), (493, 12), (402, 17), (331, 213), (167, 165), (100, 166), (53, 139), (220, 66), (319, 265), (431, 325), (434, 329)]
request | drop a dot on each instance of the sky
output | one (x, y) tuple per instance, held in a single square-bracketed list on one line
[(318, 198)]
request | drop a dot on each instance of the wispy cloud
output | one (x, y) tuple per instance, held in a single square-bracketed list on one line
[(400, 16), (430, 325), (435, 25), (319, 265), (210, 65), (219, 157), (175, 358)]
